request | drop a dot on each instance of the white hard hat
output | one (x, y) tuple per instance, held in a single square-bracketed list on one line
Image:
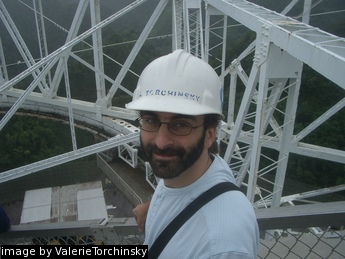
[(178, 83)]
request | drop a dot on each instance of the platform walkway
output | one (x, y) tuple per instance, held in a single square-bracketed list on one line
[(134, 177)]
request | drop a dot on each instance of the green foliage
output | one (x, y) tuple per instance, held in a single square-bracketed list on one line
[(315, 172), (27, 139), (317, 95)]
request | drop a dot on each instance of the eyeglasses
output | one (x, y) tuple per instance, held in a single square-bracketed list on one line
[(176, 127)]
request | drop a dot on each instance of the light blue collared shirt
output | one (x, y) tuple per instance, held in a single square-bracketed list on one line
[(226, 227)]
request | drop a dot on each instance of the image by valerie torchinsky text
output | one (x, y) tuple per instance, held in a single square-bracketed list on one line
[(136, 251)]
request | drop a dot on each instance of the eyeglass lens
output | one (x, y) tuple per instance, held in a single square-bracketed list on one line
[(177, 128)]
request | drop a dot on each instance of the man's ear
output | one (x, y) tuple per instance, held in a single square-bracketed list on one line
[(210, 137)]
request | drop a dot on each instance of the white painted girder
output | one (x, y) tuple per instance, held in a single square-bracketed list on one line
[(125, 67), (306, 43), (273, 30), (72, 33), (70, 156), (19, 42)]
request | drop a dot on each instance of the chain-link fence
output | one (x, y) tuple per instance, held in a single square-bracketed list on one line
[(70, 240), (303, 244), (308, 242), (303, 231), (111, 231)]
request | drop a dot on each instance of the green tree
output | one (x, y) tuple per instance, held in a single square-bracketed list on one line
[(25, 140)]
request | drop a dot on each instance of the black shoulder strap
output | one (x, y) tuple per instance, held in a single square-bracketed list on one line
[(185, 214)]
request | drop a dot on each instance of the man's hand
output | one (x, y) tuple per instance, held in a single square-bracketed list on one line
[(140, 213)]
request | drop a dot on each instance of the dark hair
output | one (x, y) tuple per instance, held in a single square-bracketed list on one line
[(213, 120)]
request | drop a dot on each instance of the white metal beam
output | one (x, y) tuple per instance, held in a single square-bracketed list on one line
[(143, 36), (304, 42), (67, 157)]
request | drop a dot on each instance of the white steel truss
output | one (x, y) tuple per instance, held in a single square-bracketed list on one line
[(264, 120)]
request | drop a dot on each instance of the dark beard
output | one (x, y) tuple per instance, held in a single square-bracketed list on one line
[(171, 169)]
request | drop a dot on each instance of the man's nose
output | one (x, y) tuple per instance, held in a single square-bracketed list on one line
[(164, 136)]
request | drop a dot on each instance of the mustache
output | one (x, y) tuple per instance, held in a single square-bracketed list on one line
[(170, 151)]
